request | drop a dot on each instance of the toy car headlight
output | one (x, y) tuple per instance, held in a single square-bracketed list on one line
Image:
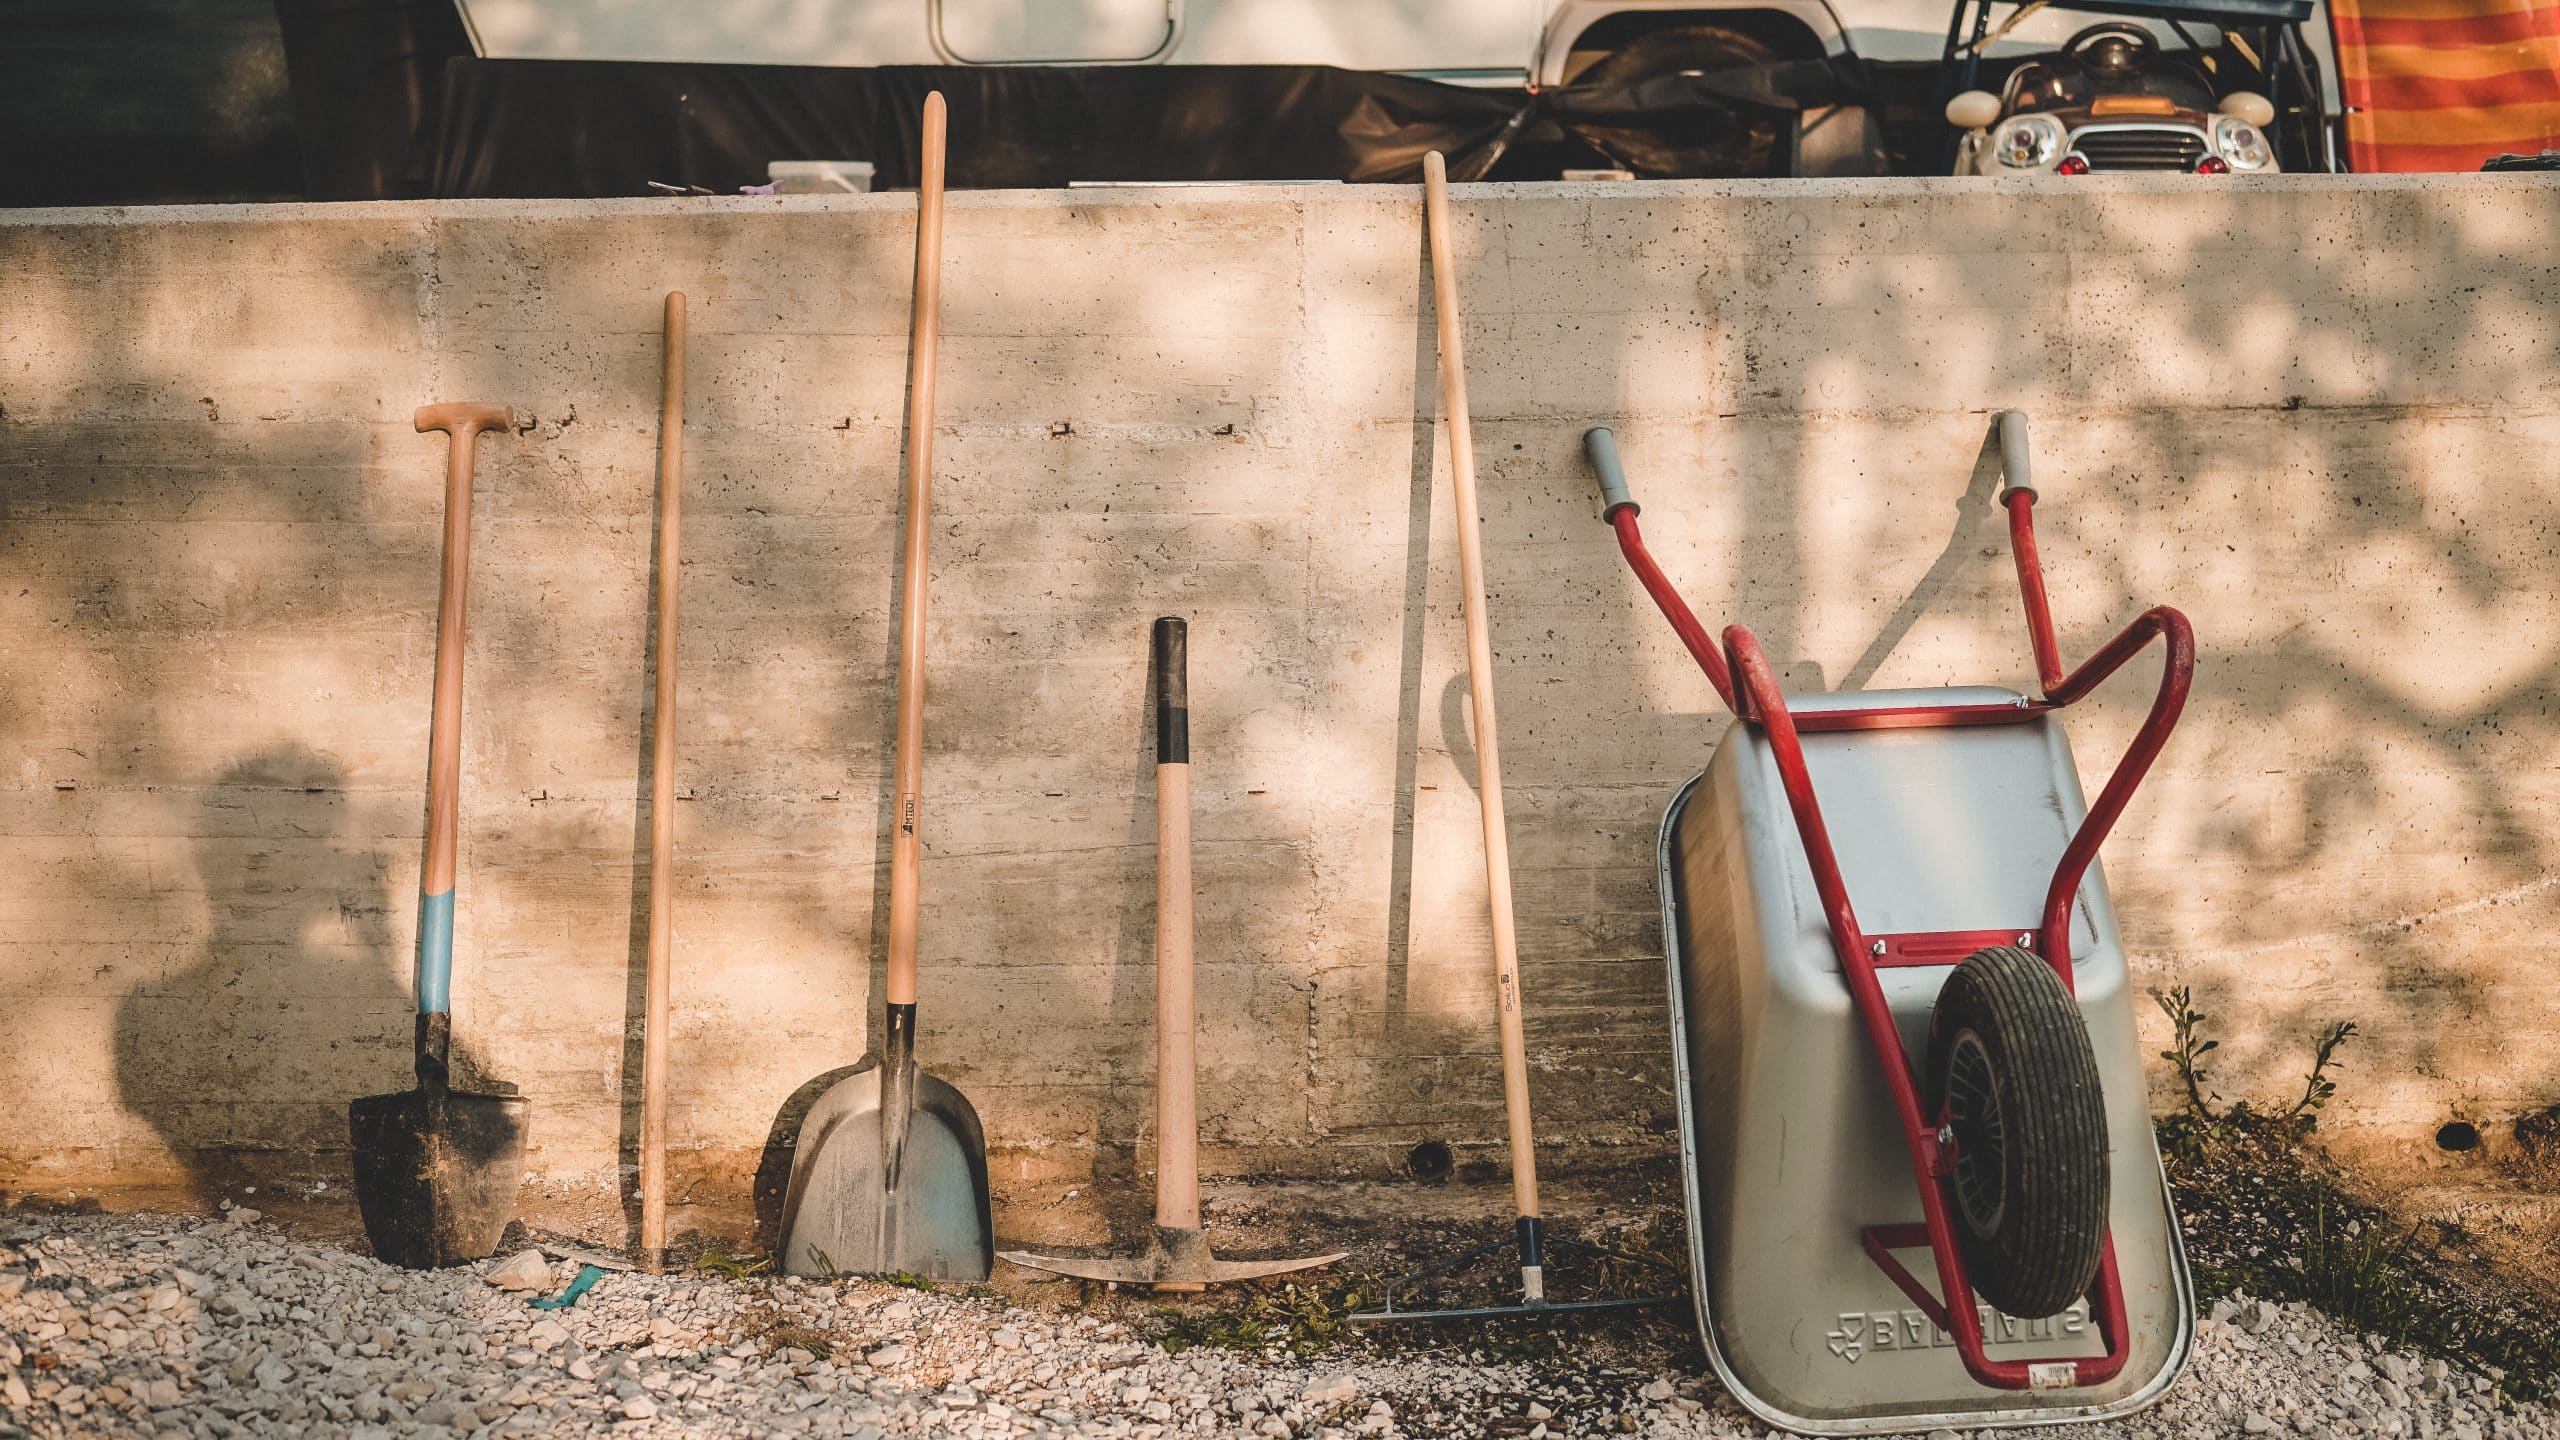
[(2029, 142), (2241, 143)]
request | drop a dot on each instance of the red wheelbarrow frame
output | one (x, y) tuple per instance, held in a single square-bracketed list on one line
[(1741, 675)]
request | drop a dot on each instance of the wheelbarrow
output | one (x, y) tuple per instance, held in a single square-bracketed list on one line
[(1896, 985)]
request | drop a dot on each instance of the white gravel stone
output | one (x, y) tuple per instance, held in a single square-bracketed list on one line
[(526, 1270), (258, 1335), (1332, 1390)]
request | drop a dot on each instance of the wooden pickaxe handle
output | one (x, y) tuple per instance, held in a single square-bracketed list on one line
[(1177, 1062)]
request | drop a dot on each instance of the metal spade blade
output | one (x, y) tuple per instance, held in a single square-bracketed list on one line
[(437, 1169)]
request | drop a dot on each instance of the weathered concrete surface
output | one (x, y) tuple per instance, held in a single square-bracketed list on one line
[(2323, 416)]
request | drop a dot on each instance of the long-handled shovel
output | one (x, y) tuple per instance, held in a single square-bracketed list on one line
[(662, 807), (1178, 1258), (1529, 1234), (437, 1168), (890, 1176)]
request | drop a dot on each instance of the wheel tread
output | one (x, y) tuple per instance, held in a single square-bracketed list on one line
[(2046, 1250)]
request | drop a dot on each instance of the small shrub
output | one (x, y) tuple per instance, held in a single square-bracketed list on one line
[(1302, 1320), (2264, 1215), (2202, 1123), (736, 1267)]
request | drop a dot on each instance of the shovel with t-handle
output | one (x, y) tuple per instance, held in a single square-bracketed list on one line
[(1178, 1257), (890, 1176), (437, 1168)]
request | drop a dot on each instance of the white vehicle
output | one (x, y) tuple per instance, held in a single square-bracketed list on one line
[(1492, 43)]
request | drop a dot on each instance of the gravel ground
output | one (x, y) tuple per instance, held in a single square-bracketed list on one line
[(173, 1327)]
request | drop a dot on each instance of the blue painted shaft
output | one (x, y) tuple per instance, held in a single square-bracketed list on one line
[(435, 953)]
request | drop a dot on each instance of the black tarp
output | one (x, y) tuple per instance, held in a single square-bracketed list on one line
[(538, 128), (366, 78), (121, 102)]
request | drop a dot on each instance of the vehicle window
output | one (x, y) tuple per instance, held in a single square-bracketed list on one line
[(2058, 84)]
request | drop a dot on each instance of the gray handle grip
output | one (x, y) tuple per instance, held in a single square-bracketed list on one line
[(1602, 447), (2015, 469)]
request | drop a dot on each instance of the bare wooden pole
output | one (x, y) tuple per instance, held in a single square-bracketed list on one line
[(662, 807), (1497, 844)]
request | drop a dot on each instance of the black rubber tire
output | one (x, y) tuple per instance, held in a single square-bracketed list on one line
[(1751, 150), (1675, 48), (2011, 1068)]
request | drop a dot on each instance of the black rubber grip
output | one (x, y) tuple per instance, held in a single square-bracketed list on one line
[(1173, 692)]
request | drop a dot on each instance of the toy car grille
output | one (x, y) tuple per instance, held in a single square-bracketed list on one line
[(2139, 147)]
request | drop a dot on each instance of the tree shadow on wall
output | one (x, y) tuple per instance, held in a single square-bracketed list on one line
[(295, 1002)]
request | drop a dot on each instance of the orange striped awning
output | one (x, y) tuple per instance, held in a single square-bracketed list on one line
[(2445, 84)]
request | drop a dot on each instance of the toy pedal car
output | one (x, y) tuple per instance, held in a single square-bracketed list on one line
[(2204, 87)]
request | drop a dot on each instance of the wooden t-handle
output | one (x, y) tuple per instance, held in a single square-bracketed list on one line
[(463, 421), (464, 418), (906, 844)]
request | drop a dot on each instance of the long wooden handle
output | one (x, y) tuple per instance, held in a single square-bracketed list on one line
[(906, 846), (462, 423), (662, 805), (1177, 1062), (1497, 845)]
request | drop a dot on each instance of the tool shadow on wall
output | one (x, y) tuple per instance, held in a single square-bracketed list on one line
[(1976, 530), (245, 1050), (1412, 637), (782, 1139), (1124, 1109), (644, 877)]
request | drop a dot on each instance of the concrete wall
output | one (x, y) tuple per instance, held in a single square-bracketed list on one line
[(2322, 415)]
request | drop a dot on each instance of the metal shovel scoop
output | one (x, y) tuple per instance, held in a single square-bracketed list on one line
[(1178, 1257), (890, 1176), (437, 1168)]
